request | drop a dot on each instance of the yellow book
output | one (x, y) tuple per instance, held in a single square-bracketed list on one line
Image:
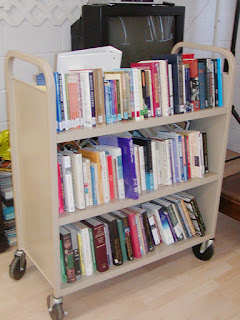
[(81, 254), (188, 217)]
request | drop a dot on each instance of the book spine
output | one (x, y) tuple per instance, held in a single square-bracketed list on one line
[(176, 226), (114, 105), (110, 177), (149, 239), (202, 85), (58, 102), (105, 179), (87, 255), (195, 205), (108, 244), (163, 64), (134, 236), (92, 249), (108, 116), (62, 100), (140, 236), (70, 124), (86, 98), (143, 233), (68, 257), (85, 181), (75, 253), (145, 94), (136, 114), (216, 82), (154, 164), (94, 185), (80, 246), (185, 218), (142, 168), (78, 184), (73, 99), (154, 230), (60, 193), (99, 95), (205, 151), (136, 157), (127, 238), (62, 263), (165, 211), (80, 100), (165, 230), (122, 240), (149, 93), (219, 80)]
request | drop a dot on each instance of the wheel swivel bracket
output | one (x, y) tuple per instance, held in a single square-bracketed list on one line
[(21, 255), (205, 245)]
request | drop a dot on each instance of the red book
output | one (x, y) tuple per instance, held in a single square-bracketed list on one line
[(194, 82), (133, 233), (99, 243), (187, 56), (153, 67), (60, 192), (110, 176)]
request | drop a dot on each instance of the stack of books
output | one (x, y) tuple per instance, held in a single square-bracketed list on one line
[(127, 164), (112, 239), (167, 85)]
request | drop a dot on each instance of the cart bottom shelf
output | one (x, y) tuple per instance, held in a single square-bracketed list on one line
[(159, 253)]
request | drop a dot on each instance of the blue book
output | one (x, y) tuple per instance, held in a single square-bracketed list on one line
[(188, 105), (7, 210), (219, 81), (202, 85), (128, 161), (113, 106), (94, 187), (58, 102), (40, 79), (107, 96), (8, 215)]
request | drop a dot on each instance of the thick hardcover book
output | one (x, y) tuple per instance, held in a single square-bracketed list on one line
[(75, 249), (146, 143), (205, 151), (133, 233), (62, 263), (99, 243), (155, 233), (177, 228), (66, 239), (176, 61), (188, 104), (202, 85), (78, 185), (126, 229), (114, 238), (128, 162)]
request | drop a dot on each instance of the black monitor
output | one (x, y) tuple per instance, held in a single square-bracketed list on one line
[(140, 31)]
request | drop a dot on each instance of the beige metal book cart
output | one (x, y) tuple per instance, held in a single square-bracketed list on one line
[(32, 115)]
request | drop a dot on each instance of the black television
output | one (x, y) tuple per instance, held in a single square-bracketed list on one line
[(140, 31)]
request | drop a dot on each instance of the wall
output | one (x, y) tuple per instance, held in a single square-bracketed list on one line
[(42, 27)]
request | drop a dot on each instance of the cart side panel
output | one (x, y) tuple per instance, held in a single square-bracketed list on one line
[(33, 165)]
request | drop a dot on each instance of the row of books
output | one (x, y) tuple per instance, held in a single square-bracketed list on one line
[(125, 165), (123, 235), (169, 84)]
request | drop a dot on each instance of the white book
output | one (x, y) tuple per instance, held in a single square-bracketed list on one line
[(86, 248), (153, 227), (170, 86), (136, 93), (86, 99), (137, 166), (108, 243), (202, 167), (142, 168), (164, 228), (158, 158), (65, 162), (116, 154), (154, 164), (78, 183), (64, 100)]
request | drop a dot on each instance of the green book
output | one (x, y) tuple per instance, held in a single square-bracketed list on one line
[(122, 239), (62, 265), (92, 249)]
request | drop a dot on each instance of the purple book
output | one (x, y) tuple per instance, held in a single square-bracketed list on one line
[(128, 162)]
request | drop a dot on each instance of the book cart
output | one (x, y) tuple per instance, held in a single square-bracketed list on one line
[(33, 138)]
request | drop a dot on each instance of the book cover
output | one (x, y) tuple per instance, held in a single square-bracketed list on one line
[(60, 192), (219, 82), (78, 183), (58, 102), (99, 95), (194, 82), (202, 85), (154, 228), (62, 263)]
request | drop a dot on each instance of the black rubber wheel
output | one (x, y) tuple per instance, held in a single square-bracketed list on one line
[(57, 312), (14, 269), (206, 255)]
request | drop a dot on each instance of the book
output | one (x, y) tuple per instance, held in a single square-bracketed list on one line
[(65, 163), (142, 168), (58, 102), (62, 263), (126, 229), (75, 249), (128, 161), (60, 192), (85, 248), (176, 226), (114, 238), (99, 95), (78, 181), (99, 243), (202, 85), (133, 232), (68, 255), (154, 228), (121, 233), (116, 154), (219, 83)]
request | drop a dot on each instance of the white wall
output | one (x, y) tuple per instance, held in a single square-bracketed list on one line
[(42, 27)]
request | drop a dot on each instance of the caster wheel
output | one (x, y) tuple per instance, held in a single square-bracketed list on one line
[(14, 269), (55, 310), (206, 255)]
